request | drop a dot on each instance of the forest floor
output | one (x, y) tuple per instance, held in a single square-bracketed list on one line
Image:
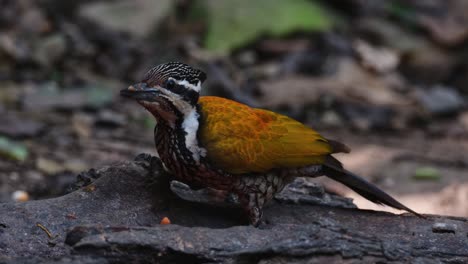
[(393, 90)]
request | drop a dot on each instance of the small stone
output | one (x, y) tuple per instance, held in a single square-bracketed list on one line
[(332, 119), (378, 59), (444, 228), (440, 100), (20, 196)]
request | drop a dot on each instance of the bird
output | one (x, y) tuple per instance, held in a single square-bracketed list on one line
[(217, 143)]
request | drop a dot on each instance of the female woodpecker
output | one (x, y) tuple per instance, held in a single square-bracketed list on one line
[(228, 146)]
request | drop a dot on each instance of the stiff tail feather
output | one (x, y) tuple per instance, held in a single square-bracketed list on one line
[(361, 186)]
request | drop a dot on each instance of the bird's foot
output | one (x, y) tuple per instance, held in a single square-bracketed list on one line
[(84, 179), (255, 216), (205, 196), (149, 161), (253, 207), (155, 168)]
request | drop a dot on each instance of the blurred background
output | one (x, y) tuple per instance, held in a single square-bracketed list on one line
[(388, 78)]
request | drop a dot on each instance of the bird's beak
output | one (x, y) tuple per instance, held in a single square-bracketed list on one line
[(141, 92)]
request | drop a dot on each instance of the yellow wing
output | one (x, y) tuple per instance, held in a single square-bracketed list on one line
[(240, 139)]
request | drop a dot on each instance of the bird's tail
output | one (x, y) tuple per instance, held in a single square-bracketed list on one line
[(333, 169)]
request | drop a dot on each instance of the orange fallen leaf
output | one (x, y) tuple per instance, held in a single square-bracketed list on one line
[(165, 221)]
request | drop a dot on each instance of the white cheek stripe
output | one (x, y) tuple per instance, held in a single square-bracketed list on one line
[(190, 123), (185, 83), (184, 107)]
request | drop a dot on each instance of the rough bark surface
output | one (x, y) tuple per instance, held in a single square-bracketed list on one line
[(116, 217)]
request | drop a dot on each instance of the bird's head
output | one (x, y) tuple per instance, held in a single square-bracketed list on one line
[(169, 91)]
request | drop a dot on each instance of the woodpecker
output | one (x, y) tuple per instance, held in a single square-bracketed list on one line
[(208, 141)]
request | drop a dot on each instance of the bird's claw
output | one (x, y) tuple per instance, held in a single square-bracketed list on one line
[(148, 161), (205, 196)]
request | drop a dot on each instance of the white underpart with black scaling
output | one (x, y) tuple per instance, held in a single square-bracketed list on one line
[(190, 126)]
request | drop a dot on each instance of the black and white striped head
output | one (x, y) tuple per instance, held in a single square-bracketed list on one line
[(170, 92), (176, 78), (172, 83)]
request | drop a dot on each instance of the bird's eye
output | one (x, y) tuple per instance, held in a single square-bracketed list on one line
[(170, 84)]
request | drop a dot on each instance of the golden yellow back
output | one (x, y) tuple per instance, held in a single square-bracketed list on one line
[(240, 139)]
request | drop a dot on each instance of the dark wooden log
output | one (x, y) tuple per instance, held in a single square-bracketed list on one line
[(117, 218)]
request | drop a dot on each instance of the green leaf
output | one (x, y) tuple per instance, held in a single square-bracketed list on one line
[(12, 150), (232, 24), (426, 173)]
